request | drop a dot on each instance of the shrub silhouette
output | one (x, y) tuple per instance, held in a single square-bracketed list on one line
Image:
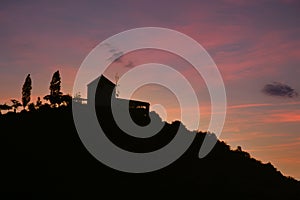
[(31, 107), (4, 107), (66, 100), (15, 104)]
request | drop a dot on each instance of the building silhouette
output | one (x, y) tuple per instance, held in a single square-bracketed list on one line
[(104, 92)]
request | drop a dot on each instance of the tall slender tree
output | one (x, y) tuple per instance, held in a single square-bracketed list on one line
[(55, 93), (26, 91)]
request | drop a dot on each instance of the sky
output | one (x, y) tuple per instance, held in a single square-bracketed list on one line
[(255, 44)]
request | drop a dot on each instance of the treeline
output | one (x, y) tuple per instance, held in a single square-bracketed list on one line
[(55, 99)]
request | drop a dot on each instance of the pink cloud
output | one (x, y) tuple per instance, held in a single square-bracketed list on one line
[(264, 54), (283, 117), (251, 136), (254, 105), (277, 147), (249, 105)]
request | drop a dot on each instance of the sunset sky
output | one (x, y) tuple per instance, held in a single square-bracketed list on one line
[(255, 44)]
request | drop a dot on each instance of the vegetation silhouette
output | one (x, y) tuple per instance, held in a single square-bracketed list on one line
[(26, 91), (56, 97), (44, 157), (15, 104), (4, 107)]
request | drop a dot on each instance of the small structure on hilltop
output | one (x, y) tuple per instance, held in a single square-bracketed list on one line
[(103, 90)]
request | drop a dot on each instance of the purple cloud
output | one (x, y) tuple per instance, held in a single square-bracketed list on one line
[(279, 89)]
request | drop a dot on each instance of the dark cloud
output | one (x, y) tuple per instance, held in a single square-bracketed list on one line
[(280, 90), (117, 56), (130, 64)]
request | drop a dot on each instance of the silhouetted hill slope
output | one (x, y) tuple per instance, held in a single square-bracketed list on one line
[(42, 156)]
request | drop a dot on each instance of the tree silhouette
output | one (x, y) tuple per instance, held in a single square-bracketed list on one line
[(4, 107), (38, 103), (55, 95), (26, 91), (31, 107), (66, 99), (16, 104), (239, 149)]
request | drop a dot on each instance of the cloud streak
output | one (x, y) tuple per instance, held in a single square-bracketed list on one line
[(256, 105), (283, 117)]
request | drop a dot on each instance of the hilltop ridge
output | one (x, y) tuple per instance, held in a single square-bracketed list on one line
[(43, 154)]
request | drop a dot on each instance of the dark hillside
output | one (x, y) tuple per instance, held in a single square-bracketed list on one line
[(43, 155)]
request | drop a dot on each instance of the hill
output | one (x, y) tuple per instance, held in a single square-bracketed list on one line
[(43, 157)]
